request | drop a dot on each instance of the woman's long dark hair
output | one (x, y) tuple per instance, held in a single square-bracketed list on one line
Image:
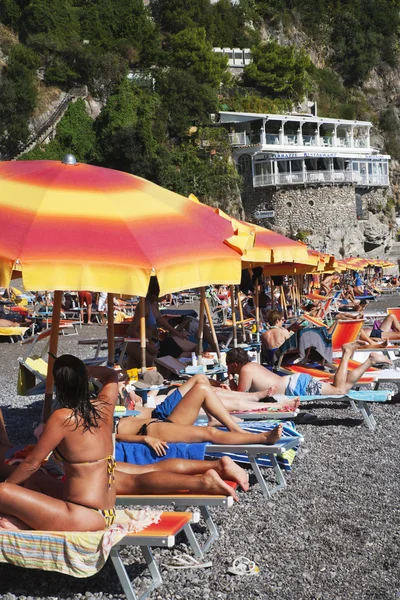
[(72, 391)]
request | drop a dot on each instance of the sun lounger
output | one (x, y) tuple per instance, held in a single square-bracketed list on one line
[(359, 400), (181, 502), (278, 456), (82, 554), (15, 334), (33, 367)]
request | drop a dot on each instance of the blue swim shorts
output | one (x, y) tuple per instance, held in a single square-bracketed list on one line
[(302, 384), (163, 410)]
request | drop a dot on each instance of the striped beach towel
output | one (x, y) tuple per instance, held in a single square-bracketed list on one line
[(285, 460), (76, 553)]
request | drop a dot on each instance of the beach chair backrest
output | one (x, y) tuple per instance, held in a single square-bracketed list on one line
[(345, 332), (394, 311), (35, 339)]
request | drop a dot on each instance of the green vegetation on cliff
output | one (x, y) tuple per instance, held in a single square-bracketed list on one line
[(156, 123)]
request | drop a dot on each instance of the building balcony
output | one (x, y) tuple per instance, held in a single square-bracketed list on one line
[(299, 142), (320, 177)]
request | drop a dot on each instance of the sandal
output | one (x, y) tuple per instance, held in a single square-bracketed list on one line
[(187, 562), (243, 566)]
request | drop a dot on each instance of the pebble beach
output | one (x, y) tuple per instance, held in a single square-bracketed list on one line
[(332, 534)]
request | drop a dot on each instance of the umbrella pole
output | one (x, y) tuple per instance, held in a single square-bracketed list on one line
[(272, 294), (240, 307), (211, 323), (257, 298), (110, 330), (232, 291), (142, 307), (201, 324), (283, 301), (55, 325)]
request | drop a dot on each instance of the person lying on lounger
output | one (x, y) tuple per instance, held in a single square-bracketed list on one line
[(252, 376), (232, 400), (388, 329), (80, 434), (165, 477), (172, 421)]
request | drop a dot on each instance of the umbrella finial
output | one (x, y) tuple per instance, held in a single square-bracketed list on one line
[(69, 159)]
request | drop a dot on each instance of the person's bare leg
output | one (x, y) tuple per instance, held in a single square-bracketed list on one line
[(171, 432), (248, 396), (395, 323), (161, 482), (345, 379), (202, 395), (39, 511), (365, 336), (236, 401), (225, 467), (89, 312)]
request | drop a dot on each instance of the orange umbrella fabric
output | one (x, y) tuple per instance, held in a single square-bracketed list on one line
[(84, 227)]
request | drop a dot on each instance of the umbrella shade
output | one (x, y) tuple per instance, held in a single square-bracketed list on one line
[(84, 227), (273, 247), (262, 246)]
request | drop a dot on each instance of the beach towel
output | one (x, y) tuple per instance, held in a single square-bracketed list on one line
[(76, 553), (140, 454), (285, 460)]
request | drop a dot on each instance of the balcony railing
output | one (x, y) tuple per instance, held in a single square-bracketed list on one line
[(245, 138), (310, 177)]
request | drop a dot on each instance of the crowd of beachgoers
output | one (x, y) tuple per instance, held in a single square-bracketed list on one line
[(330, 534)]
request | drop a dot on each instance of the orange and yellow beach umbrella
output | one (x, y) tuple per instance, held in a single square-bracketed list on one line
[(75, 226)]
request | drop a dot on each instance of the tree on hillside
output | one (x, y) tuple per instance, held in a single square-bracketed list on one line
[(184, 100), (190, 51), (175, 15), (18, 93), (129, 131), (279, 71)]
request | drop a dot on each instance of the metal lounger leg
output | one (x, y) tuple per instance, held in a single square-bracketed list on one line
[(368, 417), (194, 544), (124, 578), (200, 550), (263, 484), (212, 528)]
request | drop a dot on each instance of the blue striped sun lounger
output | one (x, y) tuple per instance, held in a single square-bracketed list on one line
[(278, 456)]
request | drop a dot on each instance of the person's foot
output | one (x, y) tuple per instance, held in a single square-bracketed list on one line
[(377, 358), (265, 393), (351, 347), (379, 344), (230, 470), (9, 523), (213, 484), (271, 437), (290, 405)]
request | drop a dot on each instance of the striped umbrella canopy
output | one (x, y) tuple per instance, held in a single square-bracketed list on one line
[(268, 246), (76, 226)]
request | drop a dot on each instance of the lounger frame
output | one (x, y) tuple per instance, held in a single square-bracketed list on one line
[(255, 451), (183, 502), (146, 541)]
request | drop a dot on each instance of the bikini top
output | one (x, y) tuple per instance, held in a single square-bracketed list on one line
[(111, 464)]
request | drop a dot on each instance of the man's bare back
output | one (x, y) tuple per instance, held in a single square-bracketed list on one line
[(254, 377)]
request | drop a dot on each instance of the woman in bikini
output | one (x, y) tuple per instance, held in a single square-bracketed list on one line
[(80, 433), (172, 421)]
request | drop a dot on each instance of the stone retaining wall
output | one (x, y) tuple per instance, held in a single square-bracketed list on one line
[(325, 215)]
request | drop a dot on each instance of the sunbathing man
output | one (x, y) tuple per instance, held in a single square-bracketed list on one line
[(388, 329), (233, 401), (252, 376)]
